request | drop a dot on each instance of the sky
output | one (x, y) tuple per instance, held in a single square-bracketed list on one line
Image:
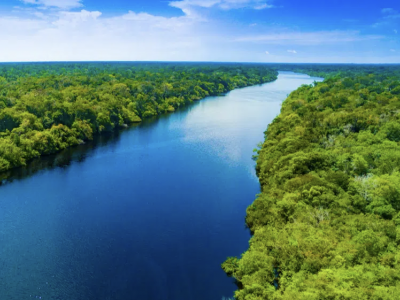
[(323, 31)]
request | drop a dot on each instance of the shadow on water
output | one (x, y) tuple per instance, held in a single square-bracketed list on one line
[(62, 159), (79, 153)]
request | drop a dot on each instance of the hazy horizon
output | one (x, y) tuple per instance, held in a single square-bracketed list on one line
[(190, 61)]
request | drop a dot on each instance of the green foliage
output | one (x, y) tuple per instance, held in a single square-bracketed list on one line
[(328, 217), (45, 108)]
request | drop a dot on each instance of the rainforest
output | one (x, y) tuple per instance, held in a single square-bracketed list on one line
[(326, 223), (199, 150), (48, 107)]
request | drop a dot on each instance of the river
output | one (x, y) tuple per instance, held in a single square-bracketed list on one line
[(149, 213)]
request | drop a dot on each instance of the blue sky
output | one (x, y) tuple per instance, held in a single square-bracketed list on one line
[(351, 31)]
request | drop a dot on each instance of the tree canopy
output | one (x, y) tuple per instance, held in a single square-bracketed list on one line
[(47, 107), (327, 222)]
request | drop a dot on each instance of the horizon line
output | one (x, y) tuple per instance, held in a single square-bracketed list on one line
[(188, 61)]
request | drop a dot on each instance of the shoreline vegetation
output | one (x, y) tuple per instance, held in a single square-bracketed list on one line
[(326, 224), (47, 107)]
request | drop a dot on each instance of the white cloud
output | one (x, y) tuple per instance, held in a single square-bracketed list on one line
[(73, 19), (378, 24), (262, 6), (308, 38), (188, 6), (62, 4), (292, 51), (56, 34), (388, 11), (87, 35), (392, 50), (392, 17)]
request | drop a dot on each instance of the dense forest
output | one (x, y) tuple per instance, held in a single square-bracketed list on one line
[(46, 107), (327, 222)]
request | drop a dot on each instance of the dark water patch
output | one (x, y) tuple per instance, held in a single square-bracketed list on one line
[(79, 153), (61, 159)]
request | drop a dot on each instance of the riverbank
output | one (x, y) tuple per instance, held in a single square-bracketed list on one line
[(324, 225), (147, 214), (42, 114)]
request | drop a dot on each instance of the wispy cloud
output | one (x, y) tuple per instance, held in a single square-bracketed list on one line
[(395, 31), (309, 38), (266, 52), (388, 11), (62, 4), (188, 6), (392, 50), (292, 51), (390, 16)]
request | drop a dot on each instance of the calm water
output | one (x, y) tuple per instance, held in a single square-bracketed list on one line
[(149, 213)]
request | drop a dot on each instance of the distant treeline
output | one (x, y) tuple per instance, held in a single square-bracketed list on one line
[(381, 72), (46, 107), (327, 222)]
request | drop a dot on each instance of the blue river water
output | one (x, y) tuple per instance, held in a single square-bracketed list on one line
[(148, 213)]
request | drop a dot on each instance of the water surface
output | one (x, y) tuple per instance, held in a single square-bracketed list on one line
[(149, 213)]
